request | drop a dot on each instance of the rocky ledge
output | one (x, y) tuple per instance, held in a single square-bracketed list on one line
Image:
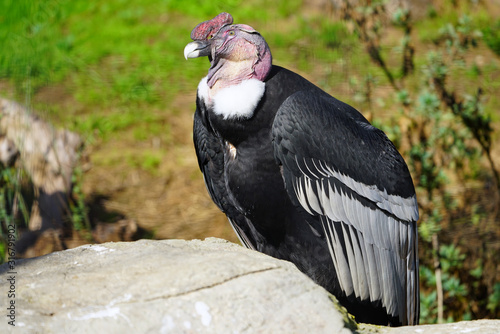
[(177, 286)]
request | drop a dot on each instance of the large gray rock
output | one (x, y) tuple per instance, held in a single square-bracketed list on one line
[(177, 286), (170, 286)]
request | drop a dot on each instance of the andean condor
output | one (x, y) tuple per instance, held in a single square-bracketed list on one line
[(305, 177)]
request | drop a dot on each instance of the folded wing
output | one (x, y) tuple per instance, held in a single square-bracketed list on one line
[(345, 171)]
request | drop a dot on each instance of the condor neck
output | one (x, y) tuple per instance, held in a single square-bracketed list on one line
[(226, 73), (234, 89)]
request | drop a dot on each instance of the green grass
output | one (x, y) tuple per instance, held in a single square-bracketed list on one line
[(120, 62), (117, 54)]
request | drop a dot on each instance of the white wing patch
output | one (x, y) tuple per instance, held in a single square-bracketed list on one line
[(403, 208), (374, 254)]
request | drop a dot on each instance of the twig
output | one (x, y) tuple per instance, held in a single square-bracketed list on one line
[(439, 283)]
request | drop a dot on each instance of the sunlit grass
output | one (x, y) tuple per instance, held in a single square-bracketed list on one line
[(120, 60), (116, 56)]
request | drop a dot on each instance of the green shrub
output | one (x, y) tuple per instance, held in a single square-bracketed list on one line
[(491, 36)]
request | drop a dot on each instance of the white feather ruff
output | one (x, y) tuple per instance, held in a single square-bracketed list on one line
[(237, 101), (203, 90)]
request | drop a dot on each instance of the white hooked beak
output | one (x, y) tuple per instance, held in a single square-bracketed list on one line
[(196, 49)]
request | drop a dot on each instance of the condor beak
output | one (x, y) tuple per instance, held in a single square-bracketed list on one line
[(197, 49)]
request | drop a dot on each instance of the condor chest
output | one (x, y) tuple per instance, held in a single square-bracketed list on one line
[(250, 171)]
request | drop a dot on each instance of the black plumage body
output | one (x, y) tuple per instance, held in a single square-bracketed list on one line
[(275, 174)]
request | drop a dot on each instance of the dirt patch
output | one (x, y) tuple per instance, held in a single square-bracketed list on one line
[(171, 201)]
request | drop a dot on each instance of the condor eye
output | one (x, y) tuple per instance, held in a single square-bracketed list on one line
[(231, 32)]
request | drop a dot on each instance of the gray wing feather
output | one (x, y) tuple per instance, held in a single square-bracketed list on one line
[(242, 236), (379, 249)]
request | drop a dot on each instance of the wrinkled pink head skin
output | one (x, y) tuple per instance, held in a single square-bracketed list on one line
[(237, 51), (206, 30)]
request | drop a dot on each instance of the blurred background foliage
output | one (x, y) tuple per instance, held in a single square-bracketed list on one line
[(426, 72)]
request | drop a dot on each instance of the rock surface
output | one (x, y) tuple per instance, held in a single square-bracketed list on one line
[(474, 327), (170, 286), (177, 286)]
